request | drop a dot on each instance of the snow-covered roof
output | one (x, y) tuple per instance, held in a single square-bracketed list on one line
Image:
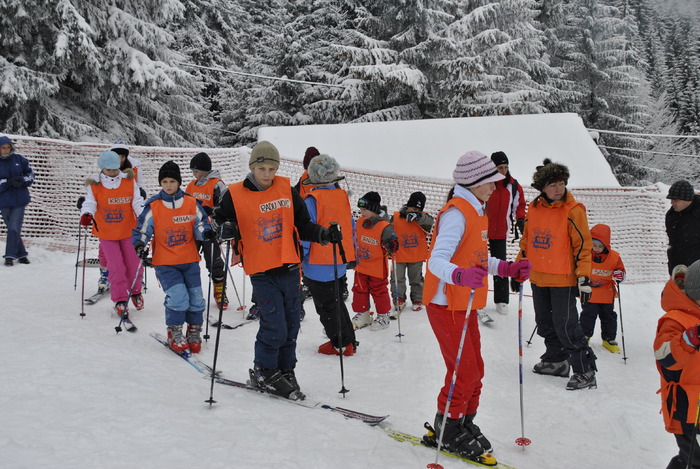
[(431, 147)]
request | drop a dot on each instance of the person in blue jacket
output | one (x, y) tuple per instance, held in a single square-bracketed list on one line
[(16, 176)]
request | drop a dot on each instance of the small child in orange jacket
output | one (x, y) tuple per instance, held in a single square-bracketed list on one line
[(606, 269)]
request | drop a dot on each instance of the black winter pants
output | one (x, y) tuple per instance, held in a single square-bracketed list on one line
[(324, 296), (684, 441), (218, 271), (608, 320), (557, 323), (497, 248)]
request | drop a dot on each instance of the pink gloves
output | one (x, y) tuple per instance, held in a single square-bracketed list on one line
[(519, 270), (472, 277)]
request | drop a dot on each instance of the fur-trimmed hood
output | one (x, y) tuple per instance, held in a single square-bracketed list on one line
[(127, 174)]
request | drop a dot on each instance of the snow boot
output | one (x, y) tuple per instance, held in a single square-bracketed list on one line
[(274, 382), (23, 260), (457, 439), (103, 281), (611, 345), (381, 321), (328, 349), (175, 340), (552, 368), (193, 337), (361, 320), (253, 313), (502, 308), (484, 317), (476, 432), (137, 301), (9, 262), (582, 381), (220, 295), (120, 307)]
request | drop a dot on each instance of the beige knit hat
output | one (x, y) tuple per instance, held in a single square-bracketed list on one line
[(264, 153)]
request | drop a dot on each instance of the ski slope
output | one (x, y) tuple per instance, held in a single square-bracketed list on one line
[(77, 395)]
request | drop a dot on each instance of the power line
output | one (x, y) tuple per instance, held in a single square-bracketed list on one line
[(264, 77), (649, 151), (643, 135)]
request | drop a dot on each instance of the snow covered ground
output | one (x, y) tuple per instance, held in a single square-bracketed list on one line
[(77, 395)]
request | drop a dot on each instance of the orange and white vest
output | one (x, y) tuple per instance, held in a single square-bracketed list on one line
[(203, 193), (266, 224), (114, 217), (332, 205), (472, 251), (173, 232), (304, 189), (412, 240), (548, 242), (371, 256), (601, 279)]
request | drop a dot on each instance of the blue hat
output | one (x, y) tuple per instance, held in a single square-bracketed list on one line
[(108, 160)]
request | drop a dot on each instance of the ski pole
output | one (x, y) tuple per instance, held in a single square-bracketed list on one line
[(77, 259), (82, 290), (522, 441), (125, 314), (211, 400), (454, 380), (396, 297), (336, 285), (211, 267), (622, 326), (693, 439), (529, 341)]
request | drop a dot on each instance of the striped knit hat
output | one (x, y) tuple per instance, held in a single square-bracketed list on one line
[(475, 169)]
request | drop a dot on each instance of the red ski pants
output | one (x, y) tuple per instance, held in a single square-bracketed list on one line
[(366, 285), (447, 326)]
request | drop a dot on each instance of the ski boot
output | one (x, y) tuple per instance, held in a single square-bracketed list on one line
[(417, 306), (381, 321), (292, 378), (175, 340), (120, 308), (103, 281), (328, 349), (476, 432), (484, 317), (552, 368), (584, 380), (457, 440), (611, 345), (274, 382), (137, 301), (361, 320), (253, 313), (220, 295), (502, 308), (193, 337)]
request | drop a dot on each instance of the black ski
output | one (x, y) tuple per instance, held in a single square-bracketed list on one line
[(347, 413)]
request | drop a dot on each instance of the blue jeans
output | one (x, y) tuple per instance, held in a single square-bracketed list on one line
[(13, 217), (182, 285)]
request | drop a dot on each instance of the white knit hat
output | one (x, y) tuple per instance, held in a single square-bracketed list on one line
[(475, 169)]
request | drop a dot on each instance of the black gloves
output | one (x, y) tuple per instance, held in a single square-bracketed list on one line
[(392, 245), (520, 224), (209, 235), (226, 232), (208, 209), (17, 181), (411, 216), (515, 285), (584, 289), (141, 251), (331, 234), (80, 202)]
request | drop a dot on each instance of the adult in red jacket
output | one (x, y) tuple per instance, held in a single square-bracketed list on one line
[(506, 213)]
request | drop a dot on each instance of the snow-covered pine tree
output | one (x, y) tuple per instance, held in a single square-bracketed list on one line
[(489, 62), (96, 69)]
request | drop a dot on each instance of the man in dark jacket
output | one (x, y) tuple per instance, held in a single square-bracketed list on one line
[(683, 225)]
